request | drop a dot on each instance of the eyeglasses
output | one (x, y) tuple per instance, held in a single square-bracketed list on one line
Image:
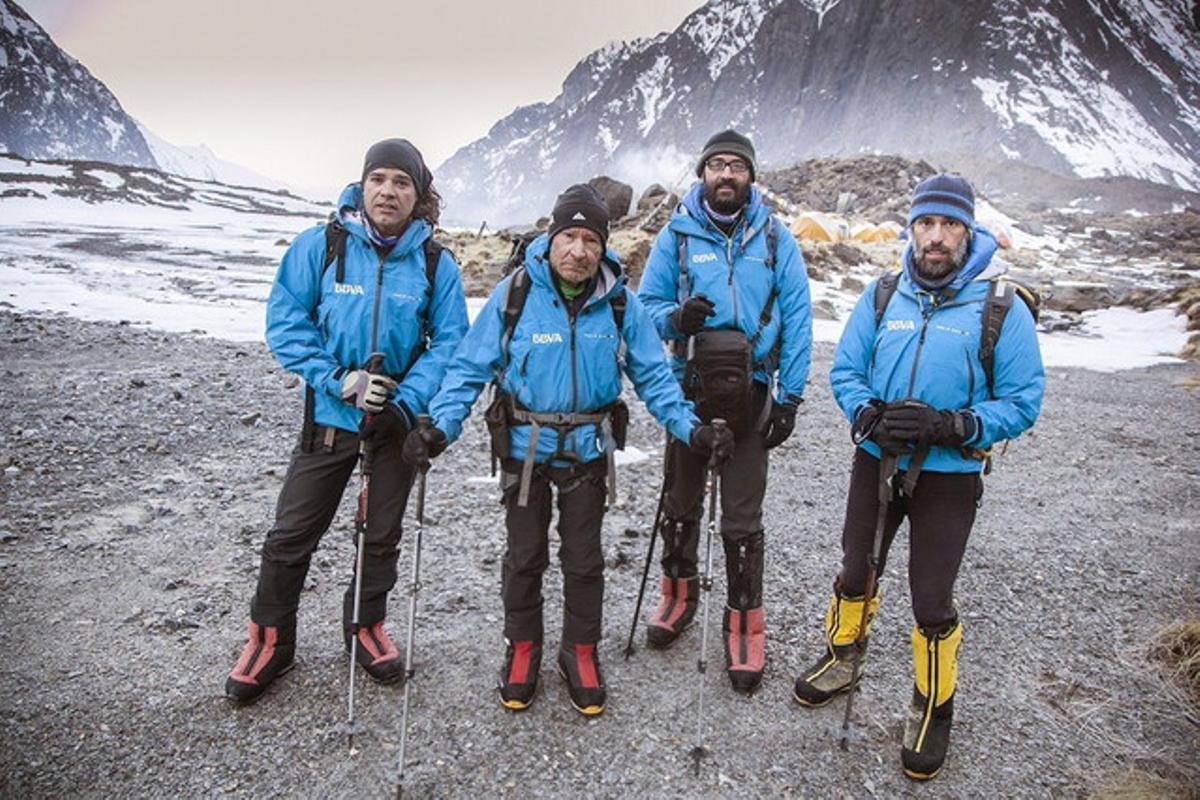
[(735, 165)]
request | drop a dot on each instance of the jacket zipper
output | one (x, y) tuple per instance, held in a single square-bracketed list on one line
[(732, 285), (912, 376), (375, 310)]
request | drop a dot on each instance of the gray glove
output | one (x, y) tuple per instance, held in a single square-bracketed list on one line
[(366, 391)]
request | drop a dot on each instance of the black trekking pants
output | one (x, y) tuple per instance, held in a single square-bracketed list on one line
[(581, 496), (307, 503), (743, 486), (940, 515)]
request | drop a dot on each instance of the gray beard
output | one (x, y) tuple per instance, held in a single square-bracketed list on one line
[(952, 264)]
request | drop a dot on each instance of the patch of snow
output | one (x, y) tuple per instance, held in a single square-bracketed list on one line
[(1118, 338), (17, 166), (650, 86), (115, 131), (630, 455), (110, 180)]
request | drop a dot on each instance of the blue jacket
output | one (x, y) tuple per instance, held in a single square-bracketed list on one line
[(731, 272), (559, 365), (318, 328), (931, 352)]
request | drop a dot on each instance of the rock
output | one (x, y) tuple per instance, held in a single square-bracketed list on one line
[(634, 259), (815, 273), (12, 471), (250, 420), (652, 197), (616, 194), (282, 242), (292, 382), (1079, 297), (137, 383), (823, 309), (7, 536), (851, 284)]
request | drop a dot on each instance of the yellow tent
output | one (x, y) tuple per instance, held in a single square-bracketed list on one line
[(814, 226), (866, 232)]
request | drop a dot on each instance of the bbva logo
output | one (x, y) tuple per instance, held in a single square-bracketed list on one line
[(347, 288), (901, 325), (700, 258), (547, 338)]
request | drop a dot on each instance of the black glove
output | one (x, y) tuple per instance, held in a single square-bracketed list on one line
[(389, 425), (713, 443), (919, 423), (690, 317), (866, 420), (780, 423), (423, 444)]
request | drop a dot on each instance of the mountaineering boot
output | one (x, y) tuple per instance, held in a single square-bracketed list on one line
[(579, 666), (833, 671), (680, 586), (927, 724), (519, 677), (270, 652), (377, 655), (745, 624)]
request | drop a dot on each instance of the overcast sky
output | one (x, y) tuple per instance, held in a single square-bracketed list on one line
[(297, 89)]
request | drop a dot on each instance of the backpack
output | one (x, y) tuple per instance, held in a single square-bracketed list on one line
[(516, 257), (995, 309), (335, 250)]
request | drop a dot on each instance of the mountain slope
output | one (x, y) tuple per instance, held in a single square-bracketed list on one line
[(200, 162), (52, 107), (1088, 88)]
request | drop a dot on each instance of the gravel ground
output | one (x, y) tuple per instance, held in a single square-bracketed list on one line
[(130, 523)]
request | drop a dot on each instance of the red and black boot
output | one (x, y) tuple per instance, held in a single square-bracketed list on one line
[(377, 655), (579, 666), (680, 586), (269, 652), (745, 625), (519, 677)]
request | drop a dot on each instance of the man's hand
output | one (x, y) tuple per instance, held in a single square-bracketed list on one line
[(387, 426), (866, 420), (423, 444), (712, 442), (366, 391), (918, 423), (690, 317), (780, 423)]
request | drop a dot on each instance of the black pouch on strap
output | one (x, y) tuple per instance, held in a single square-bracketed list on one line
[(620, 423), (498, 421), (717, 378)]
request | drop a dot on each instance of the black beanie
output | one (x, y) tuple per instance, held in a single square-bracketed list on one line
[(399, 154), (580, 206), (730, 142)]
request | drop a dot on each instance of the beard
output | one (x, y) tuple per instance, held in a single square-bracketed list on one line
[(941, 269), (730, 206)]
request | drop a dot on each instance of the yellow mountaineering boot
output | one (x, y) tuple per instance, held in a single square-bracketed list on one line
[(927, 725), (831, 674)]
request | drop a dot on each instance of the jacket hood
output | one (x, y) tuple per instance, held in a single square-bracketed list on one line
[(350, 213), (609, 278), (981, 264)]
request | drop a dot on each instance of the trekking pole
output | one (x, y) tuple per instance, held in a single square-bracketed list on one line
[(658, 515), (699, 751), (423, 423), (366, 459), (887, 468)]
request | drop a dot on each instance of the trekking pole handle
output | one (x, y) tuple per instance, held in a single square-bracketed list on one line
[(719, 425), (424, 422)]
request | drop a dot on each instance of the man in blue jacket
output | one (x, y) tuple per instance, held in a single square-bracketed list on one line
[(555, 422), (374, 282), (917, 391), (727, 288)]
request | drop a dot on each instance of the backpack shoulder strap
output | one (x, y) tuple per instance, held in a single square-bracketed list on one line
[(433, 256), (995, 309), (682, 258), (885, 287), (514, 304), (772, 241), (335, 248)]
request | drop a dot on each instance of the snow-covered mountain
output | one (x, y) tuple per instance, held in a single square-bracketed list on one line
[(1081, 87), (52, 107), (197, 161)]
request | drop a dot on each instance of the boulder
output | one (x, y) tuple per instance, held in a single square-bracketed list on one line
[(618, 195), (1079, 297)]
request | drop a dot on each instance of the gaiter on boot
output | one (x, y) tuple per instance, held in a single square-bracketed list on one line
[(927, 724), (832, 672), (680, 587), (745, 625), (270, 651)]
